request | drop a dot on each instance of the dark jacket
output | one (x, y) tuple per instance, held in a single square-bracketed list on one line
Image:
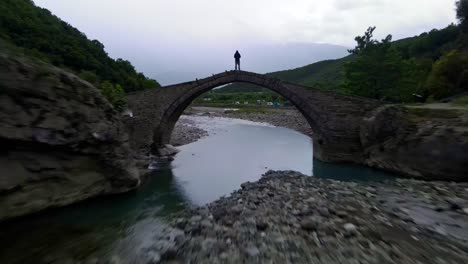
[(237, 55)]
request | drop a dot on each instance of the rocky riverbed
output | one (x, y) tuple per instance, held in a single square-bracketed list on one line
[(186, 130), (287, 217), (289, 118)]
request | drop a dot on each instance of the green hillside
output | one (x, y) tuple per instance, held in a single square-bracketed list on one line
[(326, 74), (411, 64), (36, 32)]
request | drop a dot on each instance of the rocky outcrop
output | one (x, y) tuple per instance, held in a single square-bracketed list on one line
[(62, 142), (426, 144)]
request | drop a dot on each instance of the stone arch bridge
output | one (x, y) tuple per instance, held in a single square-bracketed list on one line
[(335, 119)]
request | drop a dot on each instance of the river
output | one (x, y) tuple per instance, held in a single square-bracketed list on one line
[(120, 228)]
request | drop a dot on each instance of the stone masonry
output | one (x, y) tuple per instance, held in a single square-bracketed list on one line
[(335, 119)]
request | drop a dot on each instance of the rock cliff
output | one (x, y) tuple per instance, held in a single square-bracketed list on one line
[(423, 143), (61, 141)]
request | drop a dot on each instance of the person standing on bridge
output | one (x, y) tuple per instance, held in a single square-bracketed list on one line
[(237, 56)]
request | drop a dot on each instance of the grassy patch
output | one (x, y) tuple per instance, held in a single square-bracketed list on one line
[(253, 110), (434, 113), (462, 101)]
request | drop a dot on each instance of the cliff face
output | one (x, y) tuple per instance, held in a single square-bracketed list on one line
[(61, 141), (424, 143)]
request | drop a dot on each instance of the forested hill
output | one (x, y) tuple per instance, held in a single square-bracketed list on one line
[(433, 64), (38, 33)]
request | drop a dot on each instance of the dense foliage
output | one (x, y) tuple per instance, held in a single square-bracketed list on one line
[(432, 65), (42, 35), (462, 13), (378, 70)]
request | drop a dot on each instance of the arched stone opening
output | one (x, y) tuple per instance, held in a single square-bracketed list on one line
[(163, 132)]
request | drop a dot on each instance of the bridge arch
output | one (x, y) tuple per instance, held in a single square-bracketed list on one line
[(175, 110), (334, 119)]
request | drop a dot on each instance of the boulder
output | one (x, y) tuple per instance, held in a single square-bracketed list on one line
[(167, 150), (427, 144), (62, 142)]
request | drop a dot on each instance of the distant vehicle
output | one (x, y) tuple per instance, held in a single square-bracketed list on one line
[(246, 103), (230, 110), (270, 103), (237, 103), (206, 99), (419, 98)]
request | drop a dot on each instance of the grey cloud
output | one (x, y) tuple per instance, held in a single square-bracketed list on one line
[(160, 36), (354, 4)]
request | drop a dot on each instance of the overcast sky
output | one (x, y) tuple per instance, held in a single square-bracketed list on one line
[(141, 30)]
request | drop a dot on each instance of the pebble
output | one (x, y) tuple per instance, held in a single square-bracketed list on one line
[(323, 211), (262, 225), (455, 203), (196, 218), (341, 214), (350, 229), (206, 223), (310, 224), (252, 251), (154, 257)]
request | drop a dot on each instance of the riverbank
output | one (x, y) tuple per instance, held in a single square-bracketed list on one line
[(287, 217), (186, 130)]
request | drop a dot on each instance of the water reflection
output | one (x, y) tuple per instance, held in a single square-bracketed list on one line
[(349, 172), (217, 165), (104, 226)]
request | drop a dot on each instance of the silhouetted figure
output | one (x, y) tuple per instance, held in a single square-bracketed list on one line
[(237, 56)]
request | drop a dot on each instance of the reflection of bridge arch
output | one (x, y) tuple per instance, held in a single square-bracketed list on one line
[(334, 119)]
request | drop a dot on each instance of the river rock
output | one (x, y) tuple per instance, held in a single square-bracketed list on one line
[(62, 142), (456, 203), (167, 150), (310, 224), (252, 251), (350, 229), (323, 211)]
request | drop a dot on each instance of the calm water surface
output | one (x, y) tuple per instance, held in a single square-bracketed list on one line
[(122, 227)]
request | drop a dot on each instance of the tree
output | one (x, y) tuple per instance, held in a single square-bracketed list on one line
[(376, 69), (114, 94), (449, 75), (462, 13), (364, 42)]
